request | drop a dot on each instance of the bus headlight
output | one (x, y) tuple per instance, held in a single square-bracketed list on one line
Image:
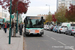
[(42, 31), (27, 30)]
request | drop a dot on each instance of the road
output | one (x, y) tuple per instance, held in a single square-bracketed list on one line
[(50, 41)]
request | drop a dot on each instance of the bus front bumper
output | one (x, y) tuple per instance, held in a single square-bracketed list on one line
[(28, 33)]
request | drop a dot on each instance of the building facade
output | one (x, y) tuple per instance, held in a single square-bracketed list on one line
[(20, 18), (65, 3), (3, 15), (44, 15), (73, 2)]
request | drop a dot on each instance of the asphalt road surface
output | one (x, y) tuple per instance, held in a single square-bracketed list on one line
[(50, 41)]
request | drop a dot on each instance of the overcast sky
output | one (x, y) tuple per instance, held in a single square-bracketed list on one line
[(39, 7)]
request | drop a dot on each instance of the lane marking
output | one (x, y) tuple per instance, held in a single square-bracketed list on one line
[(69, 47), (62, 43), (72, 48), (53, 38)]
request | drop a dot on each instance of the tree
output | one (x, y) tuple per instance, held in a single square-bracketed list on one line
[(70, 14), (53, 18), (17, 5), (49, 17), (60, 14)]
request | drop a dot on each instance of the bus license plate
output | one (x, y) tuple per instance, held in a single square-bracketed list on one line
[(36, 31)]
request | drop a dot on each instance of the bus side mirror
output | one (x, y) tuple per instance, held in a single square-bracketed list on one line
[(44, 20), (26, 20)]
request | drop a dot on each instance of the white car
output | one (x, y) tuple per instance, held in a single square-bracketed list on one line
[(50, 27), (45, 26), (62, 29)]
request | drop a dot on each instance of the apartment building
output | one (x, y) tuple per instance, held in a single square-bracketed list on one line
[(73, 2), (65, 3), (3, 15)]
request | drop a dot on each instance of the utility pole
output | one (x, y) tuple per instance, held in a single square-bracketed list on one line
[(17, 22), (10, 22), (17, 18), (49, 8)]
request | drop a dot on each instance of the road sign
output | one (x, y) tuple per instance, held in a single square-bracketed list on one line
[(12, 16)]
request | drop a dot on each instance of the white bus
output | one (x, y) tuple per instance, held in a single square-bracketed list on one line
[(34, 25)]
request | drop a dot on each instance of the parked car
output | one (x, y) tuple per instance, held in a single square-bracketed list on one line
[(70, 30), (55, 29), (62, 29), (45, 26), (50, 27)]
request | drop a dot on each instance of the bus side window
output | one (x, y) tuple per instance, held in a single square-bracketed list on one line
[(26, 21)]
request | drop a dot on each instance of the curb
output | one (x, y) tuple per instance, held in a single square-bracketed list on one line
[(23, 43)]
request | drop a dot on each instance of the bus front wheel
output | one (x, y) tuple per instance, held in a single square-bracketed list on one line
[(27, 35), (40, 35)]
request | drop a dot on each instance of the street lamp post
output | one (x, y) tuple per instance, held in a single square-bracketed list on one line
[(17, 18), (49, 7), (17, 23), (10, 22)]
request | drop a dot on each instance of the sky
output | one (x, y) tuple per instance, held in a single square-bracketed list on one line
[(39, 7)]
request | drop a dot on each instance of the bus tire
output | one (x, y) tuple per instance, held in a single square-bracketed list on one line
[(40, 35), (27, 35)]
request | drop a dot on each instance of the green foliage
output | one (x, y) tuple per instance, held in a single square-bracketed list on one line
[(61, 19), (60, 14), (49, 18)]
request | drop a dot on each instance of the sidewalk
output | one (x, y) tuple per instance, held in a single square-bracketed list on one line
[(16, 42)]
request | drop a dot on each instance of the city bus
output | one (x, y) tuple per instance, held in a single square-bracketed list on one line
[(34, 25), (2, 20)]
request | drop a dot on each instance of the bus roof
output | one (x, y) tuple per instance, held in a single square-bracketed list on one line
[(34, 17)]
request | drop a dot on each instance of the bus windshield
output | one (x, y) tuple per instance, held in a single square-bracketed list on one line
[(34, 23)]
